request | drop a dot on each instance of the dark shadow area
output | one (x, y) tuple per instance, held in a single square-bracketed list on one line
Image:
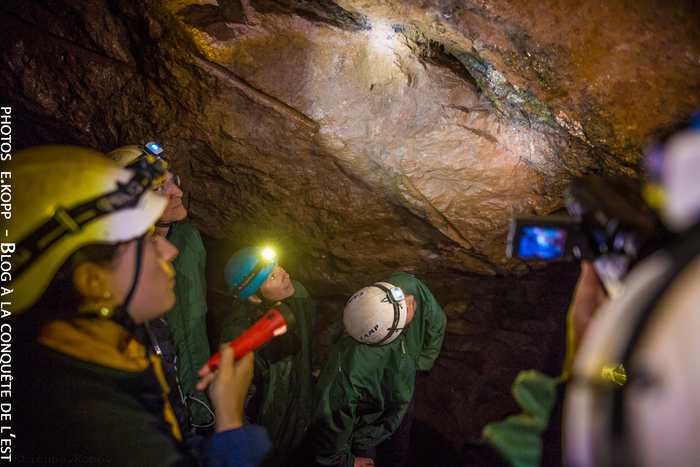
[(429, 448)]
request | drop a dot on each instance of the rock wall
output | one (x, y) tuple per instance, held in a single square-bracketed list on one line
[(359, 137)]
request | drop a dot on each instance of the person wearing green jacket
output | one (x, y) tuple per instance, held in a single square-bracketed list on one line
[(365, 395), (187, 319), (280, 397)]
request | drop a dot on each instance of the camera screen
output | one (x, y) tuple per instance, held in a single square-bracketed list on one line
[(542, 242)]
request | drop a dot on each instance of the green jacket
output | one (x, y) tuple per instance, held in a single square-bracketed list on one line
[(187, 319), (286, 386), (364, 391), (518, 438)]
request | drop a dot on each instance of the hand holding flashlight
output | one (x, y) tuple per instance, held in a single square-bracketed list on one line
[(275, 322)]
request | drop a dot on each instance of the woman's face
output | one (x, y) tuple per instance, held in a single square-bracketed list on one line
[(154, 294), (277, 286)]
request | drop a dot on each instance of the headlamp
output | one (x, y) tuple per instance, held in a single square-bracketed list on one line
[(147, 171), (268, 254), (396, 295), (153, 148), (267, 257)]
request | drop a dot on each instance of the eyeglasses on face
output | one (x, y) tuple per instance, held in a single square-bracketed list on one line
[(166, 187)]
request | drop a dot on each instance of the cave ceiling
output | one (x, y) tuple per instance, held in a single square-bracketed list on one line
[(359, 137)]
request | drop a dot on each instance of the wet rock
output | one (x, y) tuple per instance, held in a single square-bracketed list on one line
[(513, 339), (465, 328)]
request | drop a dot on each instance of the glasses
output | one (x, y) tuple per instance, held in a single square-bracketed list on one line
[(165, 187)]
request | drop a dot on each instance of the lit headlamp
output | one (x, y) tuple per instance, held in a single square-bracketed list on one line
[(149, 167), (268, 254), (267, 257), (395, 295), (153, 148)]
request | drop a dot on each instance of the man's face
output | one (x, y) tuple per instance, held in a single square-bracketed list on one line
[(174, 211), (410, 309)]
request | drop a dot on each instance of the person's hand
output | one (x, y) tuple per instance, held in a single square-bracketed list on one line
[(363, 462), (228, 387), (589, 295)]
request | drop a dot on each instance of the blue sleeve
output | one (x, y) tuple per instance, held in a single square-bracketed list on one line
[(242, 447)]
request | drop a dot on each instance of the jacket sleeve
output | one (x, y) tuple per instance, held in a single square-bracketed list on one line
[(519, 438), (334, 418), (433, 318), (317, 359), (435, 322), (234, 324), (242, 447), (187, 318)]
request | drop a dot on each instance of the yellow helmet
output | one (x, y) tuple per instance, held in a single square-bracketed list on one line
[(127, 155), (66, 198)]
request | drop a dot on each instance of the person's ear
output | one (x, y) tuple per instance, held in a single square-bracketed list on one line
[(254, 299), (90, 280)]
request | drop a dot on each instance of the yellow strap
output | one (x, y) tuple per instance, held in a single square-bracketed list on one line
[(108, 344)]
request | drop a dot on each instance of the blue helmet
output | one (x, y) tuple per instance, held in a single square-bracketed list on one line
[(247, 269)]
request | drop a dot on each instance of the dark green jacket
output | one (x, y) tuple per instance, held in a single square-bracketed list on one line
[(364, 391), (286, 385), (187, 319), (519, 438), (66, 410)]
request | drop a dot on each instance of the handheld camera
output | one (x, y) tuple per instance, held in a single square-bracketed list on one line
[(608, 223)]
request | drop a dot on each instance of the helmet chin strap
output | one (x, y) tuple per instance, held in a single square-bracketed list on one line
[(121, 315), (397, 315), (163, 224)]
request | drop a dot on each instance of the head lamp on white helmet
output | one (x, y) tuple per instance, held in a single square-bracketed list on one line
[(377, 314)]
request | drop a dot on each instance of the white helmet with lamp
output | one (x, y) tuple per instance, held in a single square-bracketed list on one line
[(376, 315)]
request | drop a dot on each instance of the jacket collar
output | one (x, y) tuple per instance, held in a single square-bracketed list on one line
[(95, 340)]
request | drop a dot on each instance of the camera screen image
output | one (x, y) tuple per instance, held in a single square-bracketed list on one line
[(542, 242)]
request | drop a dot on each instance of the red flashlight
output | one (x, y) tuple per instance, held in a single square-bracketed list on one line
[(276, 322)]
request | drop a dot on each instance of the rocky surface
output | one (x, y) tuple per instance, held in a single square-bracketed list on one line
[(360, 137), (364, 137)]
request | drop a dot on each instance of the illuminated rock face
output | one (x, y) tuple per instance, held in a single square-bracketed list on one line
[(364, 137), (360, 137)]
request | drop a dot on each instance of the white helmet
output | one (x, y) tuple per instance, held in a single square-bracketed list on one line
[(650, 416), (679, 178), (376, 315), (674, 166)]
